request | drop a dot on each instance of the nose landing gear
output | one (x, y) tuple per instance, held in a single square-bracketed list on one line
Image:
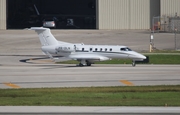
[(133, 63)]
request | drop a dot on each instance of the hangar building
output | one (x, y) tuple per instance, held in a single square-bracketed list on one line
[(85, 14)]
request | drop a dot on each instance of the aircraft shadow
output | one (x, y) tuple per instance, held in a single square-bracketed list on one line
[(30, 61)]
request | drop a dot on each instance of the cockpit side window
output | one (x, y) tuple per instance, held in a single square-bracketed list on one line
[(128, 49), (122, 49), (125, 49)]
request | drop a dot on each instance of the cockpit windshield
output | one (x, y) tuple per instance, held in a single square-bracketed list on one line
[(125, 49)]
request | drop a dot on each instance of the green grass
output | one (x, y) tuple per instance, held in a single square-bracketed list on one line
[(153, 59), (164, 59), (93, 96)]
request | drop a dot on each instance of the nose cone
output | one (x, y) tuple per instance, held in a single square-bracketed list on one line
[(142, 56), (137, 56)]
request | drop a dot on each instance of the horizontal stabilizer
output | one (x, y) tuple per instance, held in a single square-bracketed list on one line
[(38, 28)]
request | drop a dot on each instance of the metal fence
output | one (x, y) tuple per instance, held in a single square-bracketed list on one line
[(155, 24), (166, 24), (174, 24), (176, 41)]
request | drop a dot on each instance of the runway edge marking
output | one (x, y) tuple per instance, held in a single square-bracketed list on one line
[(11, 85), (126, 82)]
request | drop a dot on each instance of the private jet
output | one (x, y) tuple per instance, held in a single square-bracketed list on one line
[(85, 54)]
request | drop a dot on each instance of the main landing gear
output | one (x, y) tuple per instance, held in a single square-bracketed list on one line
[(83, 63), (87, 63)]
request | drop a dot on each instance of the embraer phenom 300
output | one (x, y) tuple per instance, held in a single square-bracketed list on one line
[(85, 54)]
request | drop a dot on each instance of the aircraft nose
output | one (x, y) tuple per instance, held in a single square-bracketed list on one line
[(140, 56), (137, 56), (143, 57)]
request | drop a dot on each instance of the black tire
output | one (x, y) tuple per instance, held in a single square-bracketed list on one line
[(88, 64), (80, 64)]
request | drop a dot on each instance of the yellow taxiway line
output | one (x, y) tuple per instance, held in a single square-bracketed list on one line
[(12, 85), (126, 82)]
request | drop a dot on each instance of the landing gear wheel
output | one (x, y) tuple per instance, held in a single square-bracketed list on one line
[(133, 63), (81, 65), (88, 64)]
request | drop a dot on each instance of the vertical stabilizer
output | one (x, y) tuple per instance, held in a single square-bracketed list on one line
[(45, 36)]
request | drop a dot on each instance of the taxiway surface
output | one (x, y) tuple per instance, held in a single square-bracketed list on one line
[(97, 110), (44, 73)]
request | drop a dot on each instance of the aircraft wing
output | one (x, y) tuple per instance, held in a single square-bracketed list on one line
[(90, 57)]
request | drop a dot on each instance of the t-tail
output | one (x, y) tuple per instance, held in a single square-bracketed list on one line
[(45, 36)]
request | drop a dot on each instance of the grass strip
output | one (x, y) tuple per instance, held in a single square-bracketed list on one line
[(93, 96)]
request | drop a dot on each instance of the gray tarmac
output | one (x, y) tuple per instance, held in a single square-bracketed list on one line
[(69, 110), (17, 45), (36, 75)]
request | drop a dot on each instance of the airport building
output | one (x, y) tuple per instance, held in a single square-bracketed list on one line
[(85, 14)]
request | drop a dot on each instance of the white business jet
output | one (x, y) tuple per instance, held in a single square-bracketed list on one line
[(85, 54)]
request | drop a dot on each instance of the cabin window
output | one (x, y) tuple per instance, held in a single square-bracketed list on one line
[(100, 49), (95, 49), (69, 48), (82, 49), (105, 49), (90, 49), (110, 49)]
